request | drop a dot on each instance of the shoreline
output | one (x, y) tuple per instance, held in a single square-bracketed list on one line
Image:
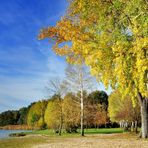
[(17, 127)]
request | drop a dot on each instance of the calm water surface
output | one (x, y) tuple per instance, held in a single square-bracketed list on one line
[(5, 133)]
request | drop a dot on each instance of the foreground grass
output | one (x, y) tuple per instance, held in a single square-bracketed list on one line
[(122, 140), (22, 142)]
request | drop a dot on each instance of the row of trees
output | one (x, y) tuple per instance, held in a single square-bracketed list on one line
[(58, 113)]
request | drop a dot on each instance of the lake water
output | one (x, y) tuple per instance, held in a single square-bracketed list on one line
[(5, 133)]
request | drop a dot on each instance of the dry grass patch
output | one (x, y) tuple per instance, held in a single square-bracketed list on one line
[(97, 141)]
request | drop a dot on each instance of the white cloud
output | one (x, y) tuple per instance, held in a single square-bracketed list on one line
[(22, 85)]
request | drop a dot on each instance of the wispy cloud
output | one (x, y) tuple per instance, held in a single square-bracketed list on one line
[(20, 86)]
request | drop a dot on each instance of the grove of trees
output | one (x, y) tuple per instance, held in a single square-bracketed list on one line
[(14, 117), (111, 37), (64, 112), (121, 110)]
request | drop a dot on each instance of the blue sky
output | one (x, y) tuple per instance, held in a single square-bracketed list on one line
[(26, 64)]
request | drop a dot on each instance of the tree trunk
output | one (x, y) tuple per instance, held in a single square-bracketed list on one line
[(144, 116), (82, 114), (136, 127), (82, 102), (61, 118), (60, 127), (132, 126)]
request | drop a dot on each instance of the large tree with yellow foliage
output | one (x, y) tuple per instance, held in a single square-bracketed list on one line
[(112, 38), (53, 117), (71, 113)]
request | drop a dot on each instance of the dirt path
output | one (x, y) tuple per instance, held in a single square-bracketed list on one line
[(97, 141)]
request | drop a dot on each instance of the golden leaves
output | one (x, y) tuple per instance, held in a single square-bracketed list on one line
[(112, 43)]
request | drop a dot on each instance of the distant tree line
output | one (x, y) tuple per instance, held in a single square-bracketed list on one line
[(45, 113), (57, 112), (14, 117)]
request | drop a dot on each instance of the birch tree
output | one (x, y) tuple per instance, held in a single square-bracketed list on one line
[(78, 79)]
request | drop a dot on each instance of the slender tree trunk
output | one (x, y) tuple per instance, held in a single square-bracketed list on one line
[(60, 127), (82, 114), (136, 127), (82, 102), (144, 116), (61, 118), (132, 126), (96, 126)]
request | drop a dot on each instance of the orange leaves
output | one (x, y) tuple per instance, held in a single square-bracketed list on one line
[(47, 33), (62, 51), (65, 31), (101, 34)]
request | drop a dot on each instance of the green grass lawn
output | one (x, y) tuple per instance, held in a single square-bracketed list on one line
[(103, 131), (50, 132)]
